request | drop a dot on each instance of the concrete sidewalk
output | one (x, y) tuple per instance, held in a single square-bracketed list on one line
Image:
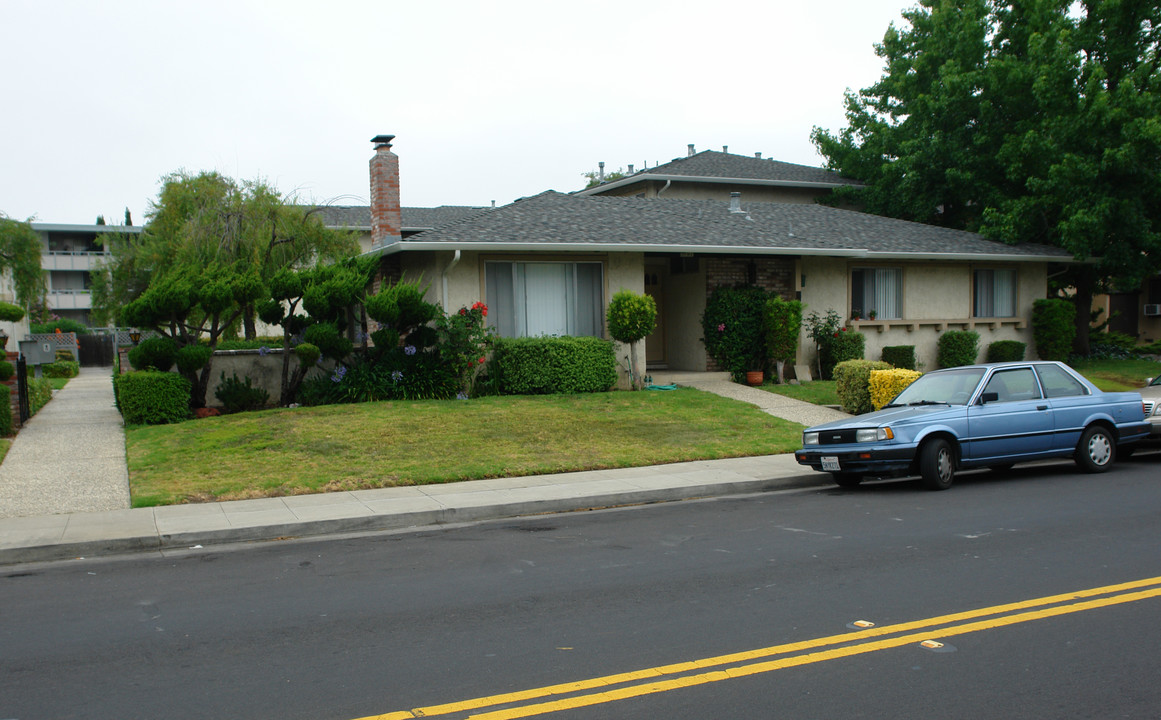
[(71, 533)]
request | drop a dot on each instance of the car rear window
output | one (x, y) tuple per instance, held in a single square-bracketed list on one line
[(1058, 383)]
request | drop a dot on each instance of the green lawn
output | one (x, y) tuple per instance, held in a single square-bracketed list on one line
[(5, 443), (341, 447), (819, 392), (1111, 375)]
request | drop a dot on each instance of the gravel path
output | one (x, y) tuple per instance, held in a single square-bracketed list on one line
[(71, 455)]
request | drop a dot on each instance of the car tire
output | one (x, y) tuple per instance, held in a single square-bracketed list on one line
[(937, 464), (1097, 449), (846, 479)]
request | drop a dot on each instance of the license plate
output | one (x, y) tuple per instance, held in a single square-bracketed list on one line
[(830, 463)]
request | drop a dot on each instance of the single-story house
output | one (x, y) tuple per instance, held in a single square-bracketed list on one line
[(549, 264)]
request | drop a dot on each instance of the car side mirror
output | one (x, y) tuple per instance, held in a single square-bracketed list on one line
[(1148, 380), (989, 397)]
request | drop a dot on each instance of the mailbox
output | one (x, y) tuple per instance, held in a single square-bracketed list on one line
[(37, 352)]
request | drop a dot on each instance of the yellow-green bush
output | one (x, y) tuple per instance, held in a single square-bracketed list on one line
[(886, 384)]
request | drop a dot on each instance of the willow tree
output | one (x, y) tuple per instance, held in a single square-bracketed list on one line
[(204, 259)]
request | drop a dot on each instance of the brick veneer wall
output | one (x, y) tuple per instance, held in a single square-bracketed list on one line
[(773, 274)]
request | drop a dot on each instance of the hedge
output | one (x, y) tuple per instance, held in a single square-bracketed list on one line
[(853, 383), (148, 397), (547, 365), (900, 356), (886, 384), (958, 348), (1006, 351), (1053, 328)]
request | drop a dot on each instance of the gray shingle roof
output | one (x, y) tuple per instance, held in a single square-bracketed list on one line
[(359, 216), (710, 163), (551, 220)]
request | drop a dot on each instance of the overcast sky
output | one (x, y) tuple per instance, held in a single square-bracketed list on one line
[(488, 100)]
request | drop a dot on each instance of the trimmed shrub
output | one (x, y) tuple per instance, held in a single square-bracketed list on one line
[(1053, 328), (155, 353), (192, 358), (900, 356), (13, 313), (1006, 351), (7, 370), (886, 384), (65, 325), (61, 369), (852, 380), (39, 393), (783, 323), (5, 411), (734, 329), (238, 396), (546, 365), (149, 397), (844, 345), (958, 347)]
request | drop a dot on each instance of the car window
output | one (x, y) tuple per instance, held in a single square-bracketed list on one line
[(954, 387), (1058, 383), (1012, 385)]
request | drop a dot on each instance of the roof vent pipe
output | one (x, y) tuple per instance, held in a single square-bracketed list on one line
[(601, 171), (736, 202), (691, 151)]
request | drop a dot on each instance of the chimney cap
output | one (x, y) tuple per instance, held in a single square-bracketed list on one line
[(382, 139)]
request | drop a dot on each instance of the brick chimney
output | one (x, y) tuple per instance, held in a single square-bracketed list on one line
[(386, 216)]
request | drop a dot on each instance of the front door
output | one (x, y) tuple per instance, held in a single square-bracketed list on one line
[(655, 341)]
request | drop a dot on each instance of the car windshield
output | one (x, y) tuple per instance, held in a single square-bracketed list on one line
[(947, 387), (1156, 382)]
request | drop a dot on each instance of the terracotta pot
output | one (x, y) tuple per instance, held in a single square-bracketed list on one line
[(754, 377)]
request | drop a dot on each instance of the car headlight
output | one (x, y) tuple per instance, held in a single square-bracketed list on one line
[(809, 438), (873, 435)]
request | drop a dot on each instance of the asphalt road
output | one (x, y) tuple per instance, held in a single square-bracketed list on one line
[(760, 594)]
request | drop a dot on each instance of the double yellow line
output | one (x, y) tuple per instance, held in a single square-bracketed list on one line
[(622, 686)]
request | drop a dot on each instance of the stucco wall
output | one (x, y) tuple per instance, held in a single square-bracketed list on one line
[(939, 296)]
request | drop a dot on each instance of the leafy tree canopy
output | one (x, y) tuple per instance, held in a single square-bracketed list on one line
[(20, 256), (1033, 121)]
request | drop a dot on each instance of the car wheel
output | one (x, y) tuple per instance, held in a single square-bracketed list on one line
[(847, 480), (1097, 450), (937, 464)]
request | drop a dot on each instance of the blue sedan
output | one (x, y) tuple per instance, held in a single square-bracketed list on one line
[(979, 416)]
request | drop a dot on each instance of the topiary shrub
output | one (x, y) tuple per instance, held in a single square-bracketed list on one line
[(1005, 351), (900, 356), (238, 396), (546, 365), (7, 370), (886, 384), (852, 379), (192, 358), (155, 353), (149, 397), (1053, 328), (12, 313), (631, 317), (844, 345), (958, 347), (61, 369)]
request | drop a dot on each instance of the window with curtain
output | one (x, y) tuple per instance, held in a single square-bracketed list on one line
[(878, 291), (529, 299), (995, 293)]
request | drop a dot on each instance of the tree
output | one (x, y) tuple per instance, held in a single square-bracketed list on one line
[(203, 261), (20, 256), (631, 317), (1024, 121)]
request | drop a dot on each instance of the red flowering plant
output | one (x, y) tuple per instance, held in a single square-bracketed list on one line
[(465, 340), (835, 342)]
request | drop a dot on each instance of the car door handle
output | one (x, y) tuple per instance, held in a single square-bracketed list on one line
[(1041, 407)]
